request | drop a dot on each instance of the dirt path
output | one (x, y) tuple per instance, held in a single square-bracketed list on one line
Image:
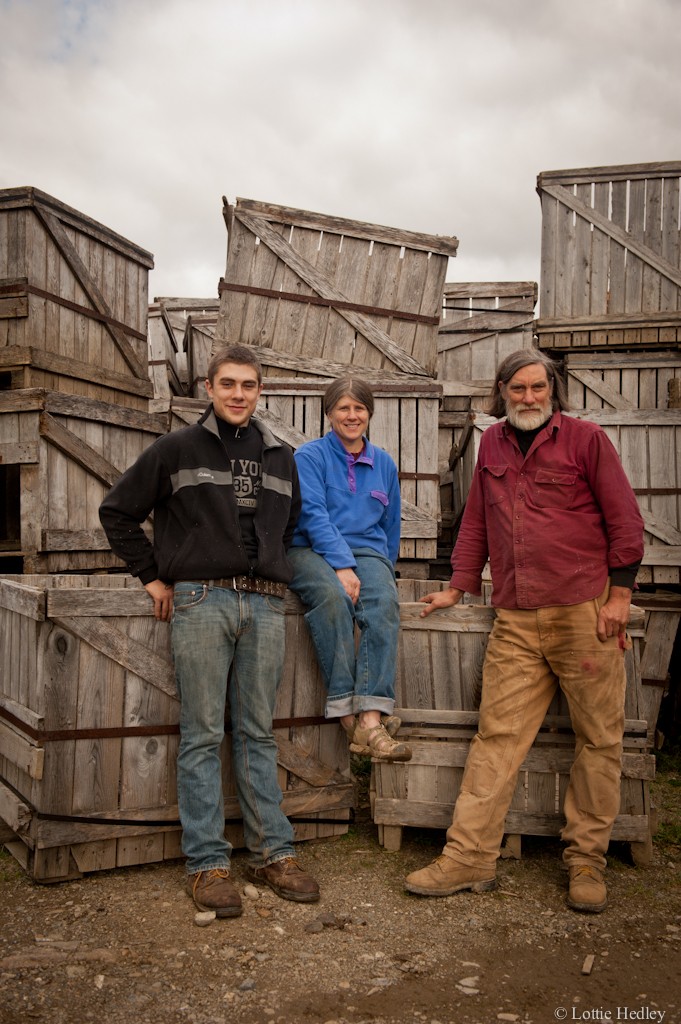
[(123, 947)]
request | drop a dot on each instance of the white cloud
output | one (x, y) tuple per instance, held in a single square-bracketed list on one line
[(430, 115)]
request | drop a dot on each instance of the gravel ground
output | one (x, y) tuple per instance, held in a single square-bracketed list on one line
[(123, 946)]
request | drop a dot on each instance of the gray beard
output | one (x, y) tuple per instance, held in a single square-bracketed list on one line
[(527, 420)]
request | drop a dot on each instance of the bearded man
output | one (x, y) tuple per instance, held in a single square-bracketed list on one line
[(551, 507)]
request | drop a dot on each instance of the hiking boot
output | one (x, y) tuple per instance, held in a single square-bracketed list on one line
[(444, 877), (391, 724), (379, 743), (287, 879), (214, 890), (587, 889)]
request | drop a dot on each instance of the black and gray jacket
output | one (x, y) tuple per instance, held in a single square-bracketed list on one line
[(185, 478)]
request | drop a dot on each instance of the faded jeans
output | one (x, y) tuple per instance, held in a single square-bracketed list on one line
[(213, 630), (358, 678), (529, 654)]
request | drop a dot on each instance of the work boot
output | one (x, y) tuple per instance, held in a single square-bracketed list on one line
[(214, 890), (587, 889), (445, 876), (287, 879), (379, 743)]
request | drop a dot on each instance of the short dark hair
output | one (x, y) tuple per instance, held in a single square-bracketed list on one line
[(516, 361), (241, 354), (349, 387)]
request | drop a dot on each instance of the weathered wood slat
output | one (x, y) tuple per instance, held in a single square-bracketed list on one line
[(16, 355), (118, 646), (76, 449), (23, 598), (14, 811), (446, 245), (17, 453), (295, 803), (21, 752)]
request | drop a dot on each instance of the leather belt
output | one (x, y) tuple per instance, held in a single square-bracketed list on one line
[(251, 584)]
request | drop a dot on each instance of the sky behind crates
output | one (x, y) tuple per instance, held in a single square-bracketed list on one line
[(425, 115)]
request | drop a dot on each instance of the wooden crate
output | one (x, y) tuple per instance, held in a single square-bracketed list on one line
[(73, 302), (482, 323), (59, 455), (89, 733), (438, 696), (189, 363), (164, 364), (404, 423), (327, 289), (614, 381), (610, 257)]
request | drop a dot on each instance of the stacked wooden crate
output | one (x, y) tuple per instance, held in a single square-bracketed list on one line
[(611, 309), (319, 297), (89, 730), (481, 324), (73, 302), (171, 358), (74, 388)]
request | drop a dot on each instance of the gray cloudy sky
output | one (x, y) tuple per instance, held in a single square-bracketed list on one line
[(428, 115)]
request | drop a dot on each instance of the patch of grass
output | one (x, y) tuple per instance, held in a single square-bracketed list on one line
[(668, 837)]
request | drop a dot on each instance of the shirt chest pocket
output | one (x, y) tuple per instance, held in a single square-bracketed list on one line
[(494, 484), (553, 489)]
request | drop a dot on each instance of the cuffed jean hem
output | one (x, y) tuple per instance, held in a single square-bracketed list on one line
[(383, 704), (280, 856), (354, 705), (209, 867)]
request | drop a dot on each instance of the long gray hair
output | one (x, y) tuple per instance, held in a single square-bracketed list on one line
[(516, 361), (349, 387)]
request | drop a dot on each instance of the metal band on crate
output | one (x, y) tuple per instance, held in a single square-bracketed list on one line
[(319, 300), (19, 289), (657, 490), (83, 819), (419, 476), (116, 732)]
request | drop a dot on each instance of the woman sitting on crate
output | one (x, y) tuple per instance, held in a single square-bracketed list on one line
[(343, 556)]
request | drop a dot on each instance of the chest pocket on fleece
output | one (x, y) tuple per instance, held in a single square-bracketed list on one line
[(553, 489)]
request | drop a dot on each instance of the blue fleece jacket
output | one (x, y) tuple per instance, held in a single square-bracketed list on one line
[(348, 503)]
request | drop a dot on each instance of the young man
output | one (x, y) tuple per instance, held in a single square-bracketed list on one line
[(551, 506), (225, 498)]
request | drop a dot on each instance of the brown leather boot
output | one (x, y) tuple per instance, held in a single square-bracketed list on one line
[(214, 890), (287, 878), (444, 877), (587, 889)]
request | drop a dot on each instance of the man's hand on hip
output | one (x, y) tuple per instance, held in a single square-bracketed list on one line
[(162, 595), (614, 615)]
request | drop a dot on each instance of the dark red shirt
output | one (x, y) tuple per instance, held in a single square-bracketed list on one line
[(552, 522)]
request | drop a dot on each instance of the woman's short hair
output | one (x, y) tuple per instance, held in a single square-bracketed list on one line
[(348, 387), (242, 355), (516, 361)]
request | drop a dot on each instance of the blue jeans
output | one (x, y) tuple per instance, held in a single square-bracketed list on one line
[(365, 680), (213, 630)]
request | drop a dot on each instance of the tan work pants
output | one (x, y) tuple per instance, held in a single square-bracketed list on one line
[(529, 654)]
